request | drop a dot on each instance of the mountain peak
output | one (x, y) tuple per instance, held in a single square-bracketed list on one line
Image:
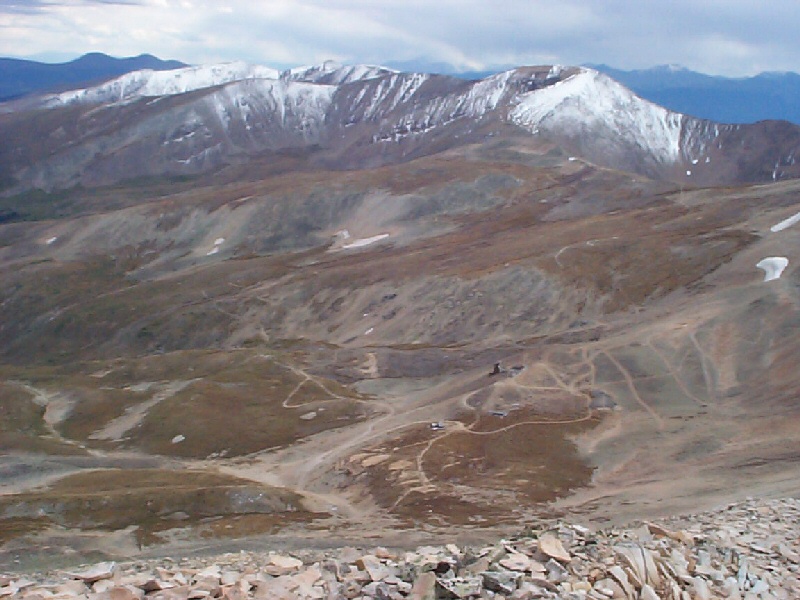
[(355, 113), (147, 82), (23, 77), (332, 72), (587, 100)]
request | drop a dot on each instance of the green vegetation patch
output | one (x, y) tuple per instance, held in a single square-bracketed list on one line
[(243, 409), (194, 404), (151, 499), (96, 408), (22, 425)]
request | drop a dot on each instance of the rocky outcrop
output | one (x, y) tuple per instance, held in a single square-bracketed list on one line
[(746, 551)]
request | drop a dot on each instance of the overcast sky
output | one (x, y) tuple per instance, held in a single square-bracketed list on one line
[(721, 37)]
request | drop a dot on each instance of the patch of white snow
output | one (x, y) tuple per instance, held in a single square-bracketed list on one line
[(785, 224), (51, 240), (219, 241), (591, 101), (334, 73), (178, 439), (214, 250), (773, 266), (360, 243), (148, 83)]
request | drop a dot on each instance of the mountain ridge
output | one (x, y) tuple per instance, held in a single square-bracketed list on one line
[(19, 77), (196, 119), (364, 302), (766, 96)]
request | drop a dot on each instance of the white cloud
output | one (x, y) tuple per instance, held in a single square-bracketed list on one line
[(733, 37)]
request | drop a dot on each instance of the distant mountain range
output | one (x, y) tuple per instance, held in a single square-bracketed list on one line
[(195, 120), (720, 99), (767, 96), (22, 77)]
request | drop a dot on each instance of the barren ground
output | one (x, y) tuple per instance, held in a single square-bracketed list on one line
[(645, 367)]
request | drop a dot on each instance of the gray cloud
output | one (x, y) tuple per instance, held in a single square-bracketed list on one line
[(733, 37), (34, 6), (27, 7)]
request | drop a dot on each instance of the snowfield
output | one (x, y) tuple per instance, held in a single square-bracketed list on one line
[(360, 243), (773, 266), (333, 73), (591, 101), (147, 83), (786, 223)]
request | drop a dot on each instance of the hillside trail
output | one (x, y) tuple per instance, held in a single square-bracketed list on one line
[(657, 418), (133, 416), (57, 405), (673, 371), (304, 466), (572, 387)]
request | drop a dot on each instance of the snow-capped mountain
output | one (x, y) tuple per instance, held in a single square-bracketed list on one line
[(195, 119), (24, 77), (332, 73), (589, 102), (149, 83)]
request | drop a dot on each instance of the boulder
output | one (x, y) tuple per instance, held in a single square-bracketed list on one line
[(424, 587), (282, 565), (516, 562), (501, 582), (551, 546), (104, 570), (459, 588)]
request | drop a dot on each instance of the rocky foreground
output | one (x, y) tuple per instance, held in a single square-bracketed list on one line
[(744, 551)]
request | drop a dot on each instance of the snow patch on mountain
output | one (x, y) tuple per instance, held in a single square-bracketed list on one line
[(786, 223), (376, 99), (486, 94), (591, 102), (408, 86), (302, 106), (147, 83), (332, 73), (773, 267), (422, 113), (360, 243), (481, 97)]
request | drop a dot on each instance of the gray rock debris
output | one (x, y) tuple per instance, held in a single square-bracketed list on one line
[(745, 551)]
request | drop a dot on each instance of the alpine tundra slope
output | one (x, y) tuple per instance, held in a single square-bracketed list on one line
[(343, 302)]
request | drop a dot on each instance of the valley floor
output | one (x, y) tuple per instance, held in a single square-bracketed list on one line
[(524, 337)]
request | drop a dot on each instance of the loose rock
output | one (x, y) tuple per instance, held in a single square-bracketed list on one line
[(741, 552)]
